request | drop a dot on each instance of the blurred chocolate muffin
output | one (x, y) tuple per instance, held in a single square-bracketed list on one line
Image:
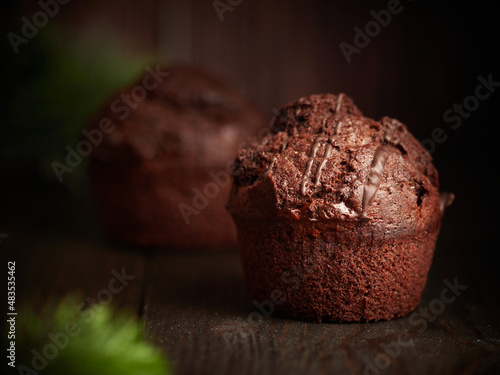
[(338, 212), (160, 174)]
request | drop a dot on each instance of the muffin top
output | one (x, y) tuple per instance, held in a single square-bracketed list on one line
[(178, 115), (326, 162)]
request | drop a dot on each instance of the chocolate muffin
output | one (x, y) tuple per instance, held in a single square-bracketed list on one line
[(337, 214), (161, 173)]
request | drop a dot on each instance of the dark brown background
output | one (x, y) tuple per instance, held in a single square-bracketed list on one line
[(424, 61)]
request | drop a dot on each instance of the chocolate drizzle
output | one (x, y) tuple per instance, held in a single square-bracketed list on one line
[(314, 150), (328, 151), (307, 172), (339, 102), (445, 200), (374, 178), (394, 134), (326, 155), (395, 131), (338, 127)]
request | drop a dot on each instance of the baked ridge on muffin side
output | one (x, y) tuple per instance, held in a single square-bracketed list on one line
[(338, 212)]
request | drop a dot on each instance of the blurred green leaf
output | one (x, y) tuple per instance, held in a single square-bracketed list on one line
[(55, 84), (98, 341)]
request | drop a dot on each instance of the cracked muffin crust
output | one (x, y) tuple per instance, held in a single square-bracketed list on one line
[(338, 211)]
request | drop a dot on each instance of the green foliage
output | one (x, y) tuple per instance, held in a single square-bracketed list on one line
[(54, 85), (97, 341)]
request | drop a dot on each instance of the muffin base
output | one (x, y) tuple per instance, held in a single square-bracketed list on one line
[(333, 276)]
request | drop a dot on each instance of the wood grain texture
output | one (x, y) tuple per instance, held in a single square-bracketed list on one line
[(198, 309), (49, 269)]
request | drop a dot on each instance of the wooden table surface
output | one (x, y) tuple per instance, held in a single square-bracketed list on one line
[(196, 306)]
